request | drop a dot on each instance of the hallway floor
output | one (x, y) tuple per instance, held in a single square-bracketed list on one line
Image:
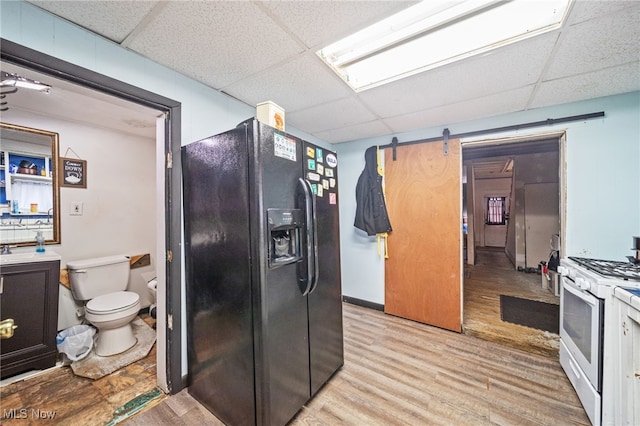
[(493, 275)]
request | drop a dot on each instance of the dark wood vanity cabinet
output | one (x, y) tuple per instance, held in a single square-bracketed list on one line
[(29, 314)]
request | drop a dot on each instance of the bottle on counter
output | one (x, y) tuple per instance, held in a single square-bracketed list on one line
[(39, 242)]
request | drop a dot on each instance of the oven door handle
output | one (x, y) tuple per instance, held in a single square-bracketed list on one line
[(580, 294)]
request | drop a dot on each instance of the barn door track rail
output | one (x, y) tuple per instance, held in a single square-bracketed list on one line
[(446, 134)]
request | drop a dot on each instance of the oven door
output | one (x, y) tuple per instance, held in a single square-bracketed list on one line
[(581, 329)]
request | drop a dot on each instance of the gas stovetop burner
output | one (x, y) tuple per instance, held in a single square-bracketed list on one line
[(611, 268)]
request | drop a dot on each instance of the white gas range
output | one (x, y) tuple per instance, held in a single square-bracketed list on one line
[(590, 332)]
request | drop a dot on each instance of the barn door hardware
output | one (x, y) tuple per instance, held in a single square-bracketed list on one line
[(445, 135), (394, 145)]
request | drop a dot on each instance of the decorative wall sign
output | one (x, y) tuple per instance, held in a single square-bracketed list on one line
[(73, 172)]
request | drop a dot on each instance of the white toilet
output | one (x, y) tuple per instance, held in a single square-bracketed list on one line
[(101, 283)]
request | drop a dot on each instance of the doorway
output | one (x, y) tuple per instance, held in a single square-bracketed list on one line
[(502, 172), (505, 236), (169, 251)]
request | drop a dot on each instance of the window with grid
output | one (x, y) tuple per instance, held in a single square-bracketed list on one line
[(496, 211)]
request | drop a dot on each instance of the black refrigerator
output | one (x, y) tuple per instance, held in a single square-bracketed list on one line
[(263, 290)]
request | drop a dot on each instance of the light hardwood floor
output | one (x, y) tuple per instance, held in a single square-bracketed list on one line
[(400, 372), (396, 372)]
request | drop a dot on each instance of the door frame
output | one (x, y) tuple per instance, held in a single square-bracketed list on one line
[(46, 64), (494, 146)]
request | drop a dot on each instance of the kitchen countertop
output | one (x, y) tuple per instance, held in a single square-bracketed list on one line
[(631, 296)]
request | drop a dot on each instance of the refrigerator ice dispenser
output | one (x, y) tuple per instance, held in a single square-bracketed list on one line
[(284, 236)]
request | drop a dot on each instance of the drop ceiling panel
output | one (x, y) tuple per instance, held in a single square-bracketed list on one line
[(341, 113), (318, 23), (447, 115), (513, 66), (616, 80), (587, 10), (352, 133), (111, 19), (216, 43), (288, 85), (598, 43)]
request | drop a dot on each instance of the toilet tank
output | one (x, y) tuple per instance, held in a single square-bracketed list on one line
[(91, 278)]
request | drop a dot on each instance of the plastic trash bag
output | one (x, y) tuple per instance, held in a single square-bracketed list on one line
[(76, 342)]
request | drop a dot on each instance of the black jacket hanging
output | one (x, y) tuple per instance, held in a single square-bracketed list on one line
[(371, 209)]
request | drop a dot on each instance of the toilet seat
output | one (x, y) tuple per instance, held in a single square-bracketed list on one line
[(111, 303)]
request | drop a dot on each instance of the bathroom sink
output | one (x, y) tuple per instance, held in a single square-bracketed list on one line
[(28, 257)]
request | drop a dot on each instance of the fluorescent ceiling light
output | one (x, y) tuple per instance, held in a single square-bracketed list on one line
[(435, 33), (14, 80)]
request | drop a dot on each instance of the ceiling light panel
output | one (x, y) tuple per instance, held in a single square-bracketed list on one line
[(432, 34)]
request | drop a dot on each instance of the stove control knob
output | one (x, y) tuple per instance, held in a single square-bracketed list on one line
[(583, 284), (568, 272)]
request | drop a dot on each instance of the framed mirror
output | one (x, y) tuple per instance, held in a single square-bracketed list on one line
[(29, 186)]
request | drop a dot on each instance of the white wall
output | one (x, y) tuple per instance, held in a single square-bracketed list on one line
[(118, 202), (602, 166), (362, 267)]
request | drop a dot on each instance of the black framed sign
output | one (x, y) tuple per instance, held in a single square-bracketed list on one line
[(73, 172)]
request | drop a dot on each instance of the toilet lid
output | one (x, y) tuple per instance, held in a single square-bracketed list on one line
[(113, 302)]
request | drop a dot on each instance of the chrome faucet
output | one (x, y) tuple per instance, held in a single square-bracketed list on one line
[(49, 215), (6, 249)]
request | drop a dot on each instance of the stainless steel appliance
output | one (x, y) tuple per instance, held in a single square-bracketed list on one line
[(264, 310), (588, 330)]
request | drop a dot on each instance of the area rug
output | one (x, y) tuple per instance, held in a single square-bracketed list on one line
[(95, 366), (530, 313)]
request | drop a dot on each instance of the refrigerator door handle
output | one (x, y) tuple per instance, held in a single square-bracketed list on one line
[(314, 231), (309, 237)]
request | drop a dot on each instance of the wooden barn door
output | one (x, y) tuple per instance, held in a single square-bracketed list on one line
[(423, 280)]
